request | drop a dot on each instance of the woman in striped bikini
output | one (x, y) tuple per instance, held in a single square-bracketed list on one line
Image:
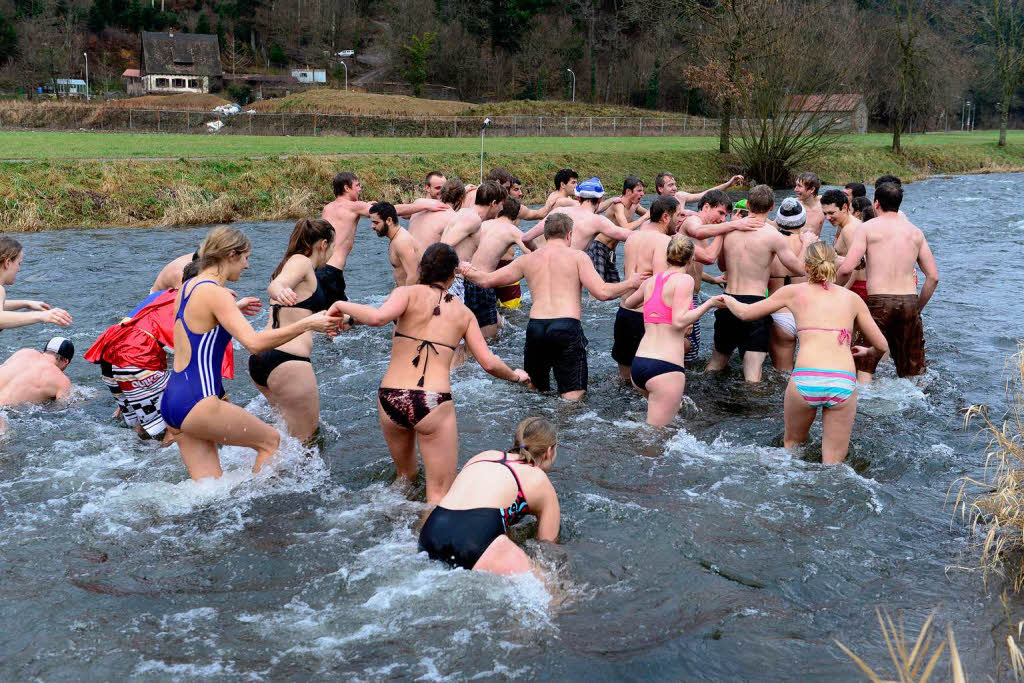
[(824, 376)]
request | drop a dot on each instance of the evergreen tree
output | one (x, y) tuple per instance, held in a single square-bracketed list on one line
[(203, 23), (416, 52), (277, 57), (652, 86)]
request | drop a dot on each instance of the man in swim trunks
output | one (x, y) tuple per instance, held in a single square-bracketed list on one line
[(31, 376), (602, 250), (790, 220), (556, 274), (344, 213), (665, 185), (748, 257), (708, 222), (893, 246), (836, 207), (587, 224), (402, 252), (807, 187), (497, 237), (463, 234), (426, 226), (432, 184), (645, 252)]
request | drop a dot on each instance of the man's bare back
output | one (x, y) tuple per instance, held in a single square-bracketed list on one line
[(170, 276), (748, 257), (586, 226), (894, 247), (344, 215), (497, 237), (29, 376), (463, 232), (646, 252), (404, 256), (426, 226)]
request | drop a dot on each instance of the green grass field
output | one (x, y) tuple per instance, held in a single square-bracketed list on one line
[(38, 145)]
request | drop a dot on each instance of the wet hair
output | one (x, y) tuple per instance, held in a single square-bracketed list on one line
[(432, 174), (453, 192), (490, 192), (836, 198), (563, 176), (867, 213), (659, 180), (385, 210), (760, 199), (9, 249), (190, 271), (630, 183), (510, 208), (306, 233), (715, 198), (534, 436), (679, 251), (438, 264), (810, 180), (820, 262), (661, 206), (889, 196), (888, 178), (500, 175), (557, 226), (856, 189), (343, 181), (222, 243), (862, 203)]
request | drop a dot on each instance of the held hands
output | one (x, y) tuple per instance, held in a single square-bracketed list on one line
[(521, 376), (249, 305), (862, 351), (748, 224), (57, 316), (637, 279), (323, 322), (718, 301)]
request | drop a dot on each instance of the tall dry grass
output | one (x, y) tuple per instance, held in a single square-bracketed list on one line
[(192, 206)]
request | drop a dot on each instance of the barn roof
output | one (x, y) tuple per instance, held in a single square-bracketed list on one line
[(821, 103), (131, 73), (181, 54)]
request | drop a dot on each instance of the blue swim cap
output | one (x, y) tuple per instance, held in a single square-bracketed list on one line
[(590, 189)]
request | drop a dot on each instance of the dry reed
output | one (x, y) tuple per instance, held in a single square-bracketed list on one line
[(914, 663), (191, 206)]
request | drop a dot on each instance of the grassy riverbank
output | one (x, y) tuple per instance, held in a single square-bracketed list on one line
[(56, 193)]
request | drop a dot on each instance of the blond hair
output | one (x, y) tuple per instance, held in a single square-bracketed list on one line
[(679, 251), (220, 244), (820, 262), (9, 250), (534, 436)]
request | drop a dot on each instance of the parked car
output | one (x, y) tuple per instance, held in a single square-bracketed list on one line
[(345, 54)]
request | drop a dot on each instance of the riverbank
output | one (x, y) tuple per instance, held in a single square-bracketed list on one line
[(52, 194)]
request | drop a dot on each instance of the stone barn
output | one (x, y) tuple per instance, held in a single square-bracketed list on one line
[(848, 110)]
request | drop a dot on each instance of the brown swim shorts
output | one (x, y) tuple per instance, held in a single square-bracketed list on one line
[(898, 317)]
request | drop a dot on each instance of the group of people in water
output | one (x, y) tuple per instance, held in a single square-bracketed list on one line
[(825, 314)]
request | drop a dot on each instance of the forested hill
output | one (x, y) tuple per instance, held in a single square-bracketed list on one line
[(649, 53)]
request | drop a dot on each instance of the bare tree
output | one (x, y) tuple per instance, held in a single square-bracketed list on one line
[(1001, 25)]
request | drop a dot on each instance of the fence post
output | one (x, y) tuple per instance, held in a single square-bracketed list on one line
[(282, 123), (704, 123), (662, 125), (542, 125), (591, 126), (129, 119), (567, 125), (392, 126), (314, 124), (456, 124), (641, 126), (424, 126), (515, 125), (250, 124), (188, 119), (158, 119), (614, 125)]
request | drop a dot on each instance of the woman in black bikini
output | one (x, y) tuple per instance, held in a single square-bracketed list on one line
[(414, 399), (285, 374), (469, 528)]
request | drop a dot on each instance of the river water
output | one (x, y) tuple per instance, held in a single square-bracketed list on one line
[(706, 552)]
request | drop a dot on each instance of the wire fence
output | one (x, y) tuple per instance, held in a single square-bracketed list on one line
[(305, 123)]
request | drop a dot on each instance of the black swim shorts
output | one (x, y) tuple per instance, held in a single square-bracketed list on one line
[(556, 344), (333, 281), (484, 304), (731, 333), (629, 332)]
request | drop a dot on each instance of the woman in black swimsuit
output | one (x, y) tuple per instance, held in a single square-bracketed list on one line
[(285, 374), (414, 400), (469, 528)]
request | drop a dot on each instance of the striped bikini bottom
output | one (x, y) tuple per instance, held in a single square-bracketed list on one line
[(824, 388)]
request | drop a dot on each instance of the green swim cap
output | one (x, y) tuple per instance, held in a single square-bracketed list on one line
[(741, 204)]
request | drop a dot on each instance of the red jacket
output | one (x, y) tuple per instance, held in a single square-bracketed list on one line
[(139, 341)]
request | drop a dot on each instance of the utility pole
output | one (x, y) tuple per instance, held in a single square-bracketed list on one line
[(87, 96), (573, 84)]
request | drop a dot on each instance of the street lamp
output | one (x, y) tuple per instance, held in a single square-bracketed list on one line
[(483, 129), (346, 73), (86, 55), (573, 84), (963, 114)]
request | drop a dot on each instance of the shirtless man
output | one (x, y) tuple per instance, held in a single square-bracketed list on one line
[(644, 252), (854, 190), (170, 276), (463, 234), (511, 296), (432, 185), (836, 207), (748, 257), (497, 237), (498, 174), (665, 185), (556, 274), (893, 246), (402, 252), (426, 226), (602, 250), (790, 220), (708, 222), (807, 186), (30, 376), (587, 224), (344, 213), (566, 180)]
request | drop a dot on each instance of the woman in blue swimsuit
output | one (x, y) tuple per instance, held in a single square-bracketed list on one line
[(469, 527), (206, 318)]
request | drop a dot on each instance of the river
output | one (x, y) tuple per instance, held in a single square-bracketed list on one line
[(706, 553)]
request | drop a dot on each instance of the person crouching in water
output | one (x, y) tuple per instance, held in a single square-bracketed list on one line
[(824, 376), (658, 369), (469, 527), (285, 374), (206, 318)]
